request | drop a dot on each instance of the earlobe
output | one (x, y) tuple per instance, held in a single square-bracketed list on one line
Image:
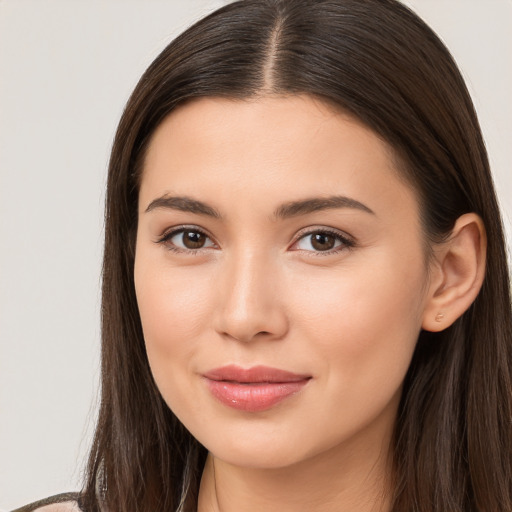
[(459, 273)]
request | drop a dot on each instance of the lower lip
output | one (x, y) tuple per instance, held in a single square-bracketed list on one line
[(253, 397)]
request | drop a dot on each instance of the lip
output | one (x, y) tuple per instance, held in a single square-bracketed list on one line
[(253, 389)]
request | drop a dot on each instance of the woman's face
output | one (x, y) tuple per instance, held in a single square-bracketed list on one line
[(280, 276)]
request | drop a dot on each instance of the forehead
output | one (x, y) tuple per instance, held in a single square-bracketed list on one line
[(277, 148)]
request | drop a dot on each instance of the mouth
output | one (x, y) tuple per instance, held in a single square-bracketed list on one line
[(254, 389)]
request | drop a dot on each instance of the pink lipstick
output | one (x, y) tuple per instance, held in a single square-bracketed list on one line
[(254, 389)]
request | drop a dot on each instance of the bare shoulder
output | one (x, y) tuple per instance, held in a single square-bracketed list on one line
[(68, 506)]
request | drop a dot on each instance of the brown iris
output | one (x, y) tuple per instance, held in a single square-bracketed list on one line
[(322, 241), (193, 239)]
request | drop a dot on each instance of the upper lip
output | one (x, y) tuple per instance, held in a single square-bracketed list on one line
[(255, 374)]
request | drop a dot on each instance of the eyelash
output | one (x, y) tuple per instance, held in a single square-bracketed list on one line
[(346, 242), (166, 237)]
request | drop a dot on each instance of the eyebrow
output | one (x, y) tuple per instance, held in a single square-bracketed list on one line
[(184, 204), (285, 211), (305, 206)]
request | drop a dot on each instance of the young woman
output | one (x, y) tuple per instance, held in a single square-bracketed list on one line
[(305, 293)]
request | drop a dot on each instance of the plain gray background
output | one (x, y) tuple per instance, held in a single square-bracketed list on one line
[(66, 70)]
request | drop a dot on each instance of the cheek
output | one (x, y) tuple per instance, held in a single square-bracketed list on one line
[(172, 307), (365, 321)]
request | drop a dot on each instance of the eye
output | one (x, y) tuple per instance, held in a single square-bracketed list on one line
[(186, 239), (322, 240)]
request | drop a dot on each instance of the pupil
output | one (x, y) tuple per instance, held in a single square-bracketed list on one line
[(322, 241), (193, 239)]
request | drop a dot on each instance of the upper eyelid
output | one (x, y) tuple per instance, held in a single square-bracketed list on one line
[(167, 233), (324, 229), (347, 239), (301, 233), (165, 237)]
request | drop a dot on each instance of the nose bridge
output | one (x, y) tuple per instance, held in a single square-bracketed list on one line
[(250, 302)]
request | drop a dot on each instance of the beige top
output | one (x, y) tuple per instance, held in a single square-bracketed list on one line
[(68, 506), (67, 502)]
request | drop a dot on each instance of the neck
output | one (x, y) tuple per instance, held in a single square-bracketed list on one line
[(346, 478)]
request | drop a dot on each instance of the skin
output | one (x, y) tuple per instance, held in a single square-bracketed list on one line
[(259, 293)]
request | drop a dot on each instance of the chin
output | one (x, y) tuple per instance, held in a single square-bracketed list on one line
[(258, 457), (266, 445)]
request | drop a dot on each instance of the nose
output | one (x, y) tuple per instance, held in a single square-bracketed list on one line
[(250, 305)]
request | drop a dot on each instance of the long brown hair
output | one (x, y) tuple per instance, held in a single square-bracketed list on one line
[(380, 62)]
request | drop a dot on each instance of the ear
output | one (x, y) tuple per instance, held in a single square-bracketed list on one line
[(457, 273)]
